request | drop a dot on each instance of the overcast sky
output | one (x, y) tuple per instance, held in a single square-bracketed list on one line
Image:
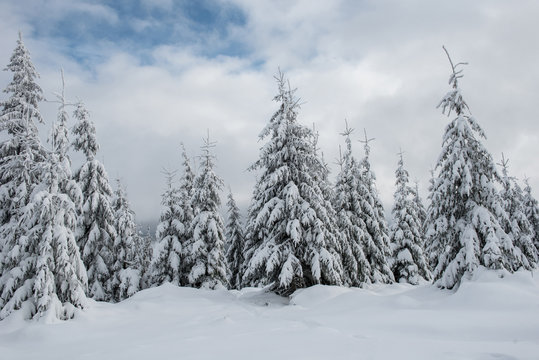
[(155, 73)]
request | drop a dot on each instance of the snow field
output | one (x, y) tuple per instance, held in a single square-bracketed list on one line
[(487, 318)]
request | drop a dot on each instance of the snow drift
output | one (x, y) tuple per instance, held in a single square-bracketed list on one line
[(487, 318)]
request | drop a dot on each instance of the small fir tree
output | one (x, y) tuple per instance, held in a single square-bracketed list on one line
[(96, 231), (185, 214), (205, 258), (419, 208), (322, 202), (235, 240), (531, 209), (167, 259), (143, 259), (409, 263), (376, 240), (518, 226), (126, 275), (347, 201)]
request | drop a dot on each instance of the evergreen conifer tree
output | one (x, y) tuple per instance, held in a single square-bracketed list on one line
[(143, 259), (518, 226), (205, 259), (235, 240), (185, 214), (356, 268), (168, 257), (289, 242), (20, 150), (56, 276), (126, 275), (322, 201), (419, 208), (409, 262), (531, 209), (96, 232), (466, 212), (43, 271), (376, 242)]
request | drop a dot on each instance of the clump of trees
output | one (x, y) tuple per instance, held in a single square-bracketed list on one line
[(66, 235)]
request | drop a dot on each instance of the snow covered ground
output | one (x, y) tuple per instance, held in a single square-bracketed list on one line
[(487, 318)]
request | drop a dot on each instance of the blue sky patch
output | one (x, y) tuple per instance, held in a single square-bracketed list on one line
[(137, 27)]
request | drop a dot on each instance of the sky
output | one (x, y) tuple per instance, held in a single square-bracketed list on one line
[(156, 73)]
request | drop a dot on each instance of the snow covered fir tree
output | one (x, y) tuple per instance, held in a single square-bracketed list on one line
[(466, 212), (289, 244), (517, 224), (96, 230), (185, 208), (126, 279), (41, 268), (419, 208), (409, 263), (173, 236), (531, 208), (22, 151), (322, 202), (143, 256), (347, 200), (235, 243), (167, 259), (205, 255), (376, 239)]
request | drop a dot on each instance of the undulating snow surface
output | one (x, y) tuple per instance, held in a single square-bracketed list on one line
[(487, 318)]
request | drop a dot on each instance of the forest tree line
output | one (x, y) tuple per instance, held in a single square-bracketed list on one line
[(66, 236)]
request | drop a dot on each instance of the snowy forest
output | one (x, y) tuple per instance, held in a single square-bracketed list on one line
[(67, 235)]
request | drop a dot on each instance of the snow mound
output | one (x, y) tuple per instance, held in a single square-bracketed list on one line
[(488, 317)]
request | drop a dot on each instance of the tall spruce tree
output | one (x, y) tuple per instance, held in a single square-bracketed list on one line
[(466, 212), (205, 259), (531, 209), (376, 240), (43, 272), (409, 262), (236, 242), (51, 217), (168, 252), (347, 201), (289, 244), (96, 231), (518, 225), (126, 275), (20, 153)]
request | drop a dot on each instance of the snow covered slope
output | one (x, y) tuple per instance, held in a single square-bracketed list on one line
[(487, 318)]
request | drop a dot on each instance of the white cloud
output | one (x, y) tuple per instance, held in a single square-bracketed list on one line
[(34, 13), (102, 12)]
